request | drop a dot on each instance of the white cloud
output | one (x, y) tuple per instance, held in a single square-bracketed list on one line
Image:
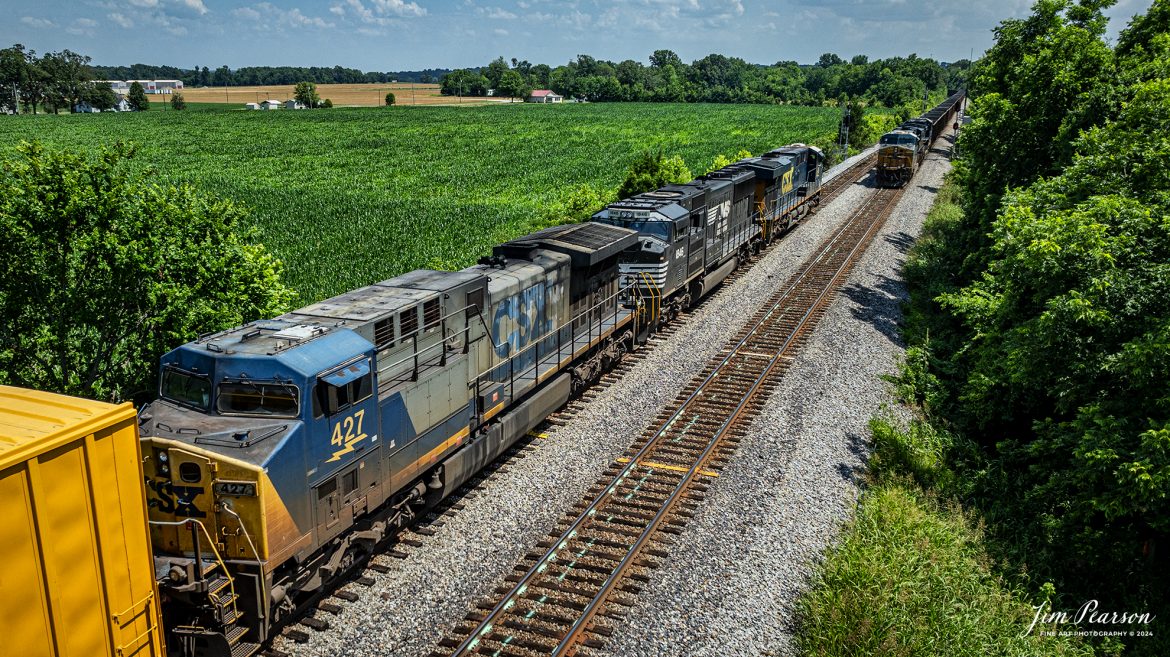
[(498, 13), (268, 16), (380, 12), (500, 32), (120, 19), (246, 13), (39, 23), (82, 26), (399, 8), (190, 6), (147, 4)]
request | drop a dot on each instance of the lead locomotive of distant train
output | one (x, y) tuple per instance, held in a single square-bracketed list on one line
[(280, 453), (902, 150)]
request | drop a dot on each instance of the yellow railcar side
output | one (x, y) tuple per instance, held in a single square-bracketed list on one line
[(77, 574)]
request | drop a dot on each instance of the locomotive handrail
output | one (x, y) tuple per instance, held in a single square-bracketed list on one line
[(198, 558), (534, 342)]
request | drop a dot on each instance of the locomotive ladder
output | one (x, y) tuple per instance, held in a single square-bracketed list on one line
[(566, 594)]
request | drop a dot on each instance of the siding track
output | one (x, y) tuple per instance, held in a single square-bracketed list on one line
[(565, 595)]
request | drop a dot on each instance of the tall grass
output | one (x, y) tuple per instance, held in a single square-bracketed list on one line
[(911, 577)]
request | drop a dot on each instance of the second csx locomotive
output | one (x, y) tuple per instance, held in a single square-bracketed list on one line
[(281, 453)]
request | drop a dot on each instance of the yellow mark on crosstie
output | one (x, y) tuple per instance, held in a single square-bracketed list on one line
[(673, 468)]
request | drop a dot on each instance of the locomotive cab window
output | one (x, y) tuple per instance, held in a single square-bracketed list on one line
[(267, 398), (186, 388), (340, 390)]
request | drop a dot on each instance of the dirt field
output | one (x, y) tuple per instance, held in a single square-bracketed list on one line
[(363, 95)]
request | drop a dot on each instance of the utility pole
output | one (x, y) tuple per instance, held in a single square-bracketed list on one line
[(845, 130)]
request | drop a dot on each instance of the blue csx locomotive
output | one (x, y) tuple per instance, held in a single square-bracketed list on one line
[(281, 452)]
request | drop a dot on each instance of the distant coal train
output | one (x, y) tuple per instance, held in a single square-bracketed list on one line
[(279, 454), (901, 151)]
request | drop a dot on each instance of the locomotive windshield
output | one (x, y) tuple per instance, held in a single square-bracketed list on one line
[(267, 398), (899, 140), (186, 389), (659, 229)]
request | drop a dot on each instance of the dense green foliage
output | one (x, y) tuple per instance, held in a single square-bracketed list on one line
[(53, 82), (390, 99), (101, 272), (1040, 320), (137, 98), (649, 171), (353, 196), (912, 576), (305, 93), (178, 103), (720, 79)]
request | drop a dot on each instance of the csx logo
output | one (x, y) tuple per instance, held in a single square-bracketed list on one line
[(177, 500), (786, 182)]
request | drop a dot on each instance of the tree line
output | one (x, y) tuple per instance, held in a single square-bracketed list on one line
[(716, 79), (1039, 328), (224, 76), (53, 82)]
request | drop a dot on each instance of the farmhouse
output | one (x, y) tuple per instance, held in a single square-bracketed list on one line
[(292, 104), (270, 104), (544, 96), (251, 106)]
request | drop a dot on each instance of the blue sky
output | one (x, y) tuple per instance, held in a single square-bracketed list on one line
[(413, 34)]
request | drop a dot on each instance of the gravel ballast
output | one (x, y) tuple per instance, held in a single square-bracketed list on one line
[(731, 583), (753, 548)]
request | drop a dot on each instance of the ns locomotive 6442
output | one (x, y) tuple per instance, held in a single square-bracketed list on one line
[(693, 235)]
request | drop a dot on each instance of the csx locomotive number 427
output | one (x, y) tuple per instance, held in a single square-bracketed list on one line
[(281, 452)]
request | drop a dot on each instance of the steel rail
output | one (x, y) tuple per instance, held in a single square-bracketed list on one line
[(828, 248), (580, 625)]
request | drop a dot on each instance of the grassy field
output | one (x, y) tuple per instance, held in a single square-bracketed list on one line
[(346, 95), (347, 197)]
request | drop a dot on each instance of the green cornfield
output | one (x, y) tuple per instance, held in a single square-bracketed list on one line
[(348, 197)]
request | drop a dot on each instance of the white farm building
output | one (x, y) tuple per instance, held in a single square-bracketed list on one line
[(149, 86)]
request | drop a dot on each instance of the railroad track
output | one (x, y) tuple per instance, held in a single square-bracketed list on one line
[(319, 608), (566, 595)]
